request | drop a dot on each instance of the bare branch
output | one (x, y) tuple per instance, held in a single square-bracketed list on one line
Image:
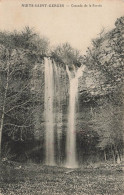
[(21, 126), (17, 106)]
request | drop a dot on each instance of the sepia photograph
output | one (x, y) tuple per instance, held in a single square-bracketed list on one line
[(61, 97)]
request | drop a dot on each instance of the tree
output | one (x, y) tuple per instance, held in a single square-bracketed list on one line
[(17, 100), (110, 130), (65, 54), (12, 89)]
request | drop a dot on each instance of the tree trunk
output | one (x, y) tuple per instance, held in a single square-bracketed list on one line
[(91, 110), (113, 154), (3, 109), (104, 155), (118, 156), (118, 159)]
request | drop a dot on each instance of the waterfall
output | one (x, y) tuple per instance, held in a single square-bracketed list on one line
[(71, 160), (53, 113), (49, 114), (58, 109)]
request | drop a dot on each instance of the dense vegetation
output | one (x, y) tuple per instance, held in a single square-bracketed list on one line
[(105, 62), (19, 52)]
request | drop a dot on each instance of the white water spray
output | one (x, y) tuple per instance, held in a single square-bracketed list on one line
[(49, 116), (71, 161)]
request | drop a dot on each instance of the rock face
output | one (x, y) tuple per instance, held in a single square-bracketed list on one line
[(105, 62)]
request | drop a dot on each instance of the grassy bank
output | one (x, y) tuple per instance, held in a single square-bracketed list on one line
[(35, 179)]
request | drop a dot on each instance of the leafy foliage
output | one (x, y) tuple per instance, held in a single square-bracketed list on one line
[(66, 55)]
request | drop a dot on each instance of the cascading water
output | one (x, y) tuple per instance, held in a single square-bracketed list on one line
[(58, 109), (53, 113), (49, 115), (71, 161)]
